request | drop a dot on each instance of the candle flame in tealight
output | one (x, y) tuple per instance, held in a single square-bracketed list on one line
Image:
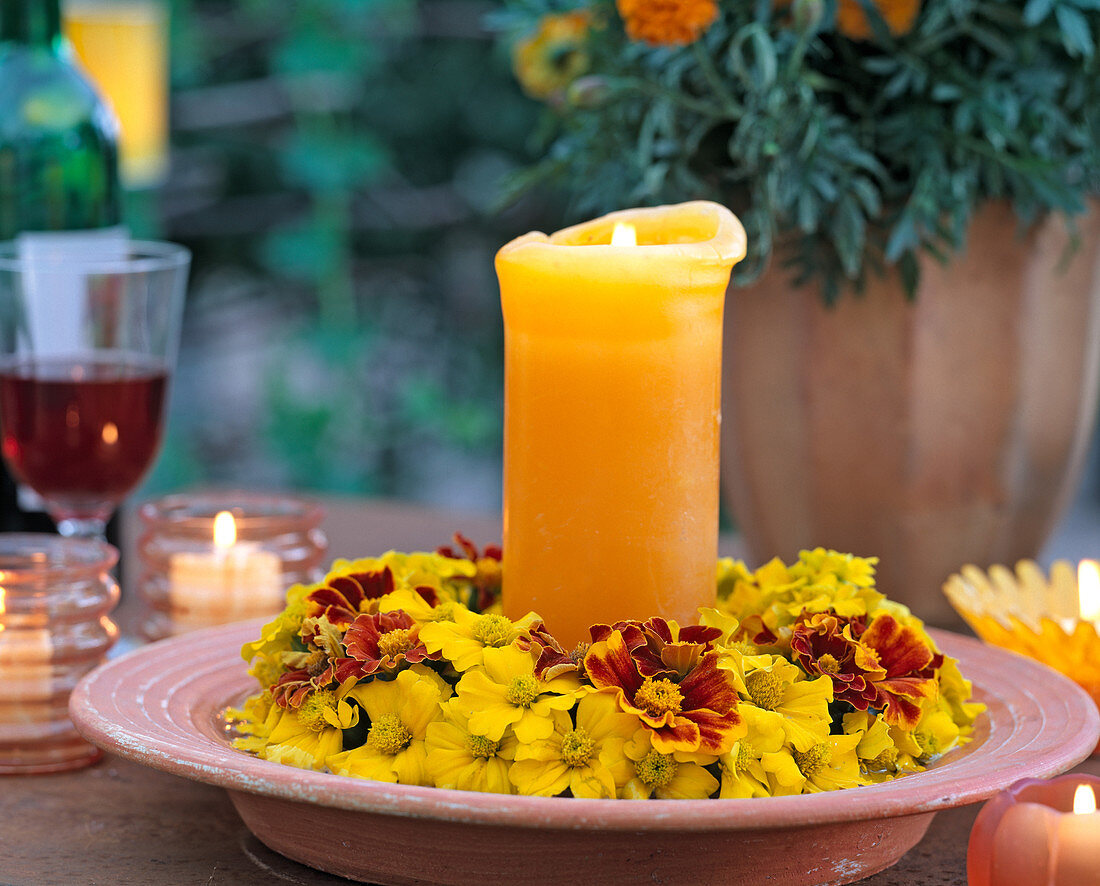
[(624, 235), (1084, 800), (225, 530), (1088, 589)]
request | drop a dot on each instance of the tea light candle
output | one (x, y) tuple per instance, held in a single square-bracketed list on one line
[(1038, 833), (234, 580), (611, 378), (25, 659)]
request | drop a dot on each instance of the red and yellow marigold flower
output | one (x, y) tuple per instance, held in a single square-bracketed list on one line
[(825, 644), (693, 712), (887, 666), (382, 642), (910, 664), (342, 597), (667, 22), (487, 577)]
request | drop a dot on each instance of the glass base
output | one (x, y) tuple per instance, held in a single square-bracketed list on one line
[(44, 758)]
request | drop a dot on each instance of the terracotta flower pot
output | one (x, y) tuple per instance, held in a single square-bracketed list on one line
[(930, 433)]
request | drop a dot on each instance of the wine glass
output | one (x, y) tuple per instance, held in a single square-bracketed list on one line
[(88, 340)]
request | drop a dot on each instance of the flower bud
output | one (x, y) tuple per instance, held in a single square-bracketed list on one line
[(588, 92), (807, 14)]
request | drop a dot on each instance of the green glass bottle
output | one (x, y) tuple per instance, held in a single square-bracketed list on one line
[(59, 182), (58, 139)]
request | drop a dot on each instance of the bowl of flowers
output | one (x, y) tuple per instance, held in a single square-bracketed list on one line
[(392, 726)]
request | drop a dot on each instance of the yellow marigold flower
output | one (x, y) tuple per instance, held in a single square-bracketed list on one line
[(936, 732), (667, 22), (829, 765), (879, 756), (554, 56), (444, 575), (307, 736), (777, 688), (254, 722), (277, 636), (730, 572), (954, 691), (899, 15), (840, 568), (459, 758), (463, 641), (677, 776), (743, 773), (400, 711), (587, 759), (508, 694)]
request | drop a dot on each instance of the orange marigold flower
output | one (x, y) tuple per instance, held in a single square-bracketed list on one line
[(554, 56), (695, 712), (899, 15), (667, 22)]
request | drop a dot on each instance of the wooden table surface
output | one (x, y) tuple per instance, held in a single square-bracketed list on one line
[(120, 823)]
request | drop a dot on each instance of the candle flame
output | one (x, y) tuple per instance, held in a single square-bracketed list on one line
[(1084, 800), (225, 530), (624, 235), (110, 433), (1088, 589)]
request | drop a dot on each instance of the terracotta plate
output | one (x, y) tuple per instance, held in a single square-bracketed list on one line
[(161, 706)]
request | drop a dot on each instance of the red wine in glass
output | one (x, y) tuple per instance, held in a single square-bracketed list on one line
[(81, 433)]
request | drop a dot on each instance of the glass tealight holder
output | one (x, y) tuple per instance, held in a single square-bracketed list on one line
[(214, 558), (56, 595)]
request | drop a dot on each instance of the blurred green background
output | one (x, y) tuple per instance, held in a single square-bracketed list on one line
[(338, 168)]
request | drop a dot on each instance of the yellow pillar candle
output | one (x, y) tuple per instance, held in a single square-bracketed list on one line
[(612, 368)]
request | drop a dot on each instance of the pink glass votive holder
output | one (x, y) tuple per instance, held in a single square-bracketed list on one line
[(192, 575), (1030, 835), (56, 595)]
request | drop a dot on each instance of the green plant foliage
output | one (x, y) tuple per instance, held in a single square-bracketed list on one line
[(841, 156), (337, 168)]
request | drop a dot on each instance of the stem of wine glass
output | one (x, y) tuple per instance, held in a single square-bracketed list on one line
[(83, 527)]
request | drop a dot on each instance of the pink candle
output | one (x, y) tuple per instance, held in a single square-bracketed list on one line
[(1038, 833)]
